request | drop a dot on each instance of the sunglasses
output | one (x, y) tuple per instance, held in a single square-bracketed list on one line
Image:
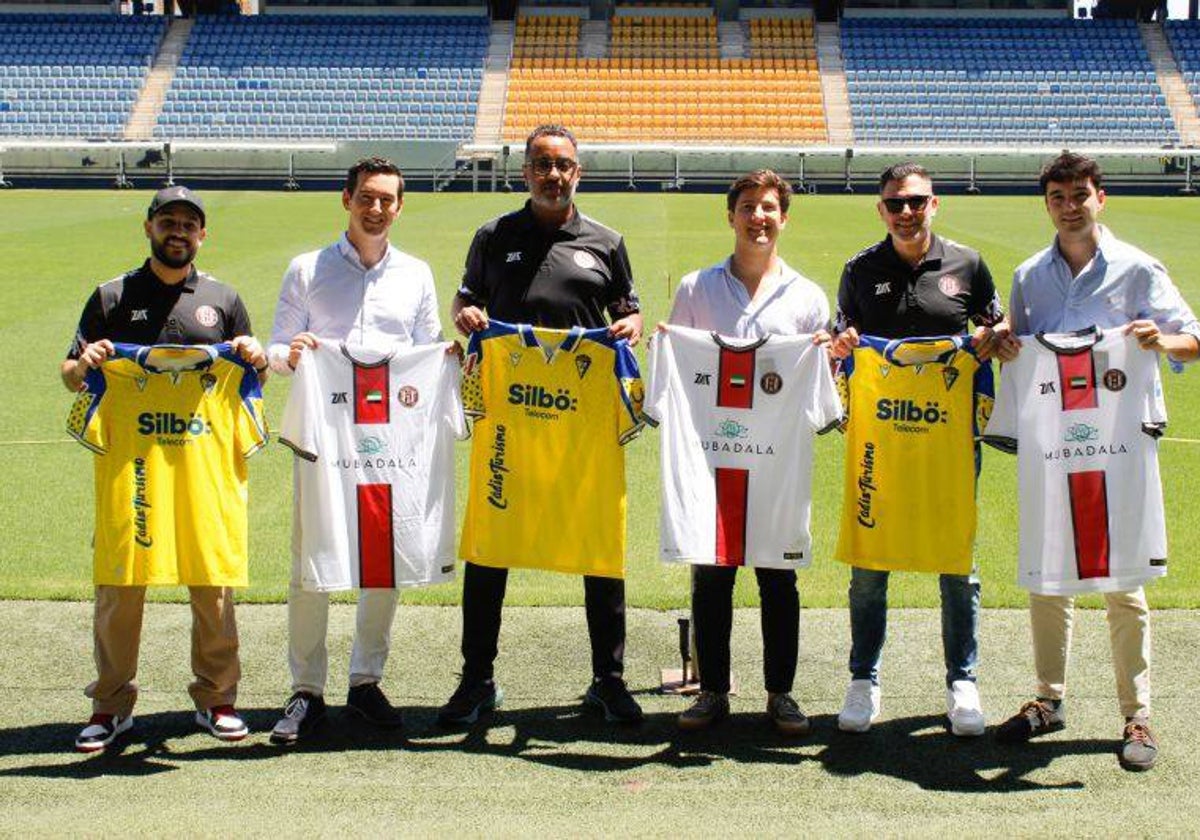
[(916, 203), (543, 166)]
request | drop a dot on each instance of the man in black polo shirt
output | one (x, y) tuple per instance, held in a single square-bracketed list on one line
[(165, 301), (550, 266), (915, 283)]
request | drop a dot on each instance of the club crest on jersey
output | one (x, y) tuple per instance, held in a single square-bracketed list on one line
[(206, 316), (208, 382), (514, 359), (884, 370), (731, 429), (949, 285), (370, 446), (584, 259), (139, 315), (1114, 379), (949, 376), (140, 382), (1081, 433), (771, 382), (582, 363), (408, 396)]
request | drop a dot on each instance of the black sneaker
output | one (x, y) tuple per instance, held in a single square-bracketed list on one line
[(708, 709), (102, 730), (1037, 717), (370, 702), (610, 695), (469, 700), (300, 717)]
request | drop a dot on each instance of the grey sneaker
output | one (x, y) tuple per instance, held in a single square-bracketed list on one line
[(1139, 748), (1037, 717), (785, 713), (708, 709), (300, 717)]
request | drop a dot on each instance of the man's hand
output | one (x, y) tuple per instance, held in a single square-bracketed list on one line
[(470, 319), (628, 328), (93, 355), (303, 341), (996, 342), (456, 350), (843, 343), (249, 350), (822, 338), (1180, 347)]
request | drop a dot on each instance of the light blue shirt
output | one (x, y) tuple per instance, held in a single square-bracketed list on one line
[(1119, 285)]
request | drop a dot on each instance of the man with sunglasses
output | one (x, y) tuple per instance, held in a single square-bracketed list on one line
[(914, 283), (546, 265)]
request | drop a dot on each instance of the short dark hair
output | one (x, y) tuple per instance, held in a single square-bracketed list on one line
[(760, 179), (549, 130), (374, 165), (1068, 168), (900, 171)]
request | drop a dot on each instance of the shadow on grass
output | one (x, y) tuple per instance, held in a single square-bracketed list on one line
[(917, 750)]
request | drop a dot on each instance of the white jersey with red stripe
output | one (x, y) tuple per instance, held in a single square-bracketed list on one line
[(374, 437), (738, 419), (1083, 411)]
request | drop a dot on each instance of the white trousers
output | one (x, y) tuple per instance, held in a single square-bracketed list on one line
[(1129, 636), (308, 622)]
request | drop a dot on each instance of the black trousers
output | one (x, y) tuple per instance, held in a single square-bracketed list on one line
[(483, 600), (712, 610)]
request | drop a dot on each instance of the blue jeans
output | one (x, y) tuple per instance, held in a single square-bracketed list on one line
[(868, 624)]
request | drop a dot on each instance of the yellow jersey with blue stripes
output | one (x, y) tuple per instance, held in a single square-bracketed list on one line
[(915, 409), (552, 410), (171, 427)]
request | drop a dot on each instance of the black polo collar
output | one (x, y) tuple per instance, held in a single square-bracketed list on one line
[(146, 274), (933, 256), (572, 228)]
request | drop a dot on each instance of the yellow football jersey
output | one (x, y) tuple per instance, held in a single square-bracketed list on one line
[(547, 485), (171, 427), (916, 408)]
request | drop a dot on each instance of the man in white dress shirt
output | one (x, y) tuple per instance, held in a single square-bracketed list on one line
[(365, 292)]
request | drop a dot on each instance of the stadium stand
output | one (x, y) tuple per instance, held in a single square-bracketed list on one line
[(1184, 38), (67, 76), (323, 77), (968, 81), (664, 80)]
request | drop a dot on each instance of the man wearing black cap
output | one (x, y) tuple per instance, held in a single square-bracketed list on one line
[(165, 301)]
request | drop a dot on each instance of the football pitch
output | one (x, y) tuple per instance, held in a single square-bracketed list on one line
[(540, 766), (59, 244)]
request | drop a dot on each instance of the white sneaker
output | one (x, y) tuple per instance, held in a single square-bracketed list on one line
[(964, 709), (861, 708)]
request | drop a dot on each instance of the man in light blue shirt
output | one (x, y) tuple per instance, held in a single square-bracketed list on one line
[(1088, 277)]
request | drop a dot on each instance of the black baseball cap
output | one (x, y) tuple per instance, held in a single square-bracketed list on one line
[(175, 195)]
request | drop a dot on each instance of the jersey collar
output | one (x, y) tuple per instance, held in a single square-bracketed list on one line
[(1071, 343), (569, 344)]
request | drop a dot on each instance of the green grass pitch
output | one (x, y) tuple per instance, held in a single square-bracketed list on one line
[(59, 244)]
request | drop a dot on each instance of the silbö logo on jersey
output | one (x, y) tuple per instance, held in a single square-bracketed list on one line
[(170, 428), (910, 416), (540, 402), (141, 524)]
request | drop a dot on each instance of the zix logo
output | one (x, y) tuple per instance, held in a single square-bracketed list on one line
[(1046, 387), (513, 256), (139, 315), (339, 397), (703, 379), (883, 288)]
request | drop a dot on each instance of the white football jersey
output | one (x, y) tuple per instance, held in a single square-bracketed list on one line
[(1084, 411), (374, 435), (738, 419)]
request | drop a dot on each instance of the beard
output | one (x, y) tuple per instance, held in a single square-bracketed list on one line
[(160, 252)]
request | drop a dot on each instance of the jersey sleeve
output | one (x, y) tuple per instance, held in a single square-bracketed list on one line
[(630, 420), (298, 429), (86, 423), (1155, 422), (824, 410), (661, 362), (1001, 427), (250, 430), (471, 383), (985, 397), (455, 417)]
